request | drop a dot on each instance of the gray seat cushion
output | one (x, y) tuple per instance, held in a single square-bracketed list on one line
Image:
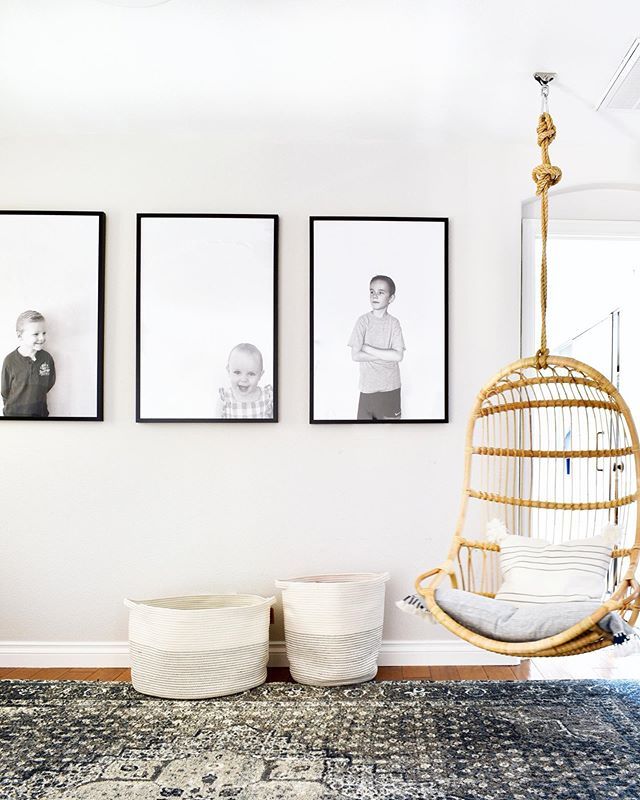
[(507, 622)]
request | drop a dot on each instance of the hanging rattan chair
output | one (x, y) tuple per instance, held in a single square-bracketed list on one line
[(552, 451)]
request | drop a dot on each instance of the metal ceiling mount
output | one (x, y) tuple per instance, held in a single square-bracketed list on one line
[(544, 79)]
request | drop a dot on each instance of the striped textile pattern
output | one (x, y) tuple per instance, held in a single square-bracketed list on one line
[(537, 571), (333, 626), (187, 676), (197, 646)]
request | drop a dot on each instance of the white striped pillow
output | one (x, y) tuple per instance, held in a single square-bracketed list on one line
[(537, 571)]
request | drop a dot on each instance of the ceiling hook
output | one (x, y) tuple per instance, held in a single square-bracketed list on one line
[(544, 79)]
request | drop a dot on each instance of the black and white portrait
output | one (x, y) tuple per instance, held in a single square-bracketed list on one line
[(207, 318), (51, 315), (378, 319)]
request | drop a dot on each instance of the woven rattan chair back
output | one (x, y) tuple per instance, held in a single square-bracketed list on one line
[(553, 453)]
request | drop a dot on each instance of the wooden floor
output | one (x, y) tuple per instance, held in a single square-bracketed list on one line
[(601, 664)]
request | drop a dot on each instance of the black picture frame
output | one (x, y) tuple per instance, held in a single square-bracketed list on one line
[(53, 263), (202, 236), (346, 252)]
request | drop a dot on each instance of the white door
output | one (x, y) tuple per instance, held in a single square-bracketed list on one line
[(594, 299)]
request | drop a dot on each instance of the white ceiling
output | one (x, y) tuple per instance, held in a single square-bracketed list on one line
[(399, 70)]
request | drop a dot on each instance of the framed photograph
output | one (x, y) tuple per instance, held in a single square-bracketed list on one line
[(378, 319), (52, 315), (207, 318)]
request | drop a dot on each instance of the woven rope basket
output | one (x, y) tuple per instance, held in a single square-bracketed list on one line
[(333, 627), (185, 648)]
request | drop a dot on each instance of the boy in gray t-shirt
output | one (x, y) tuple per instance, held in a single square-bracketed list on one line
[(377, 344)]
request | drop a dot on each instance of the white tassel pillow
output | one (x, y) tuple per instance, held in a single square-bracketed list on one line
[(537, 571)]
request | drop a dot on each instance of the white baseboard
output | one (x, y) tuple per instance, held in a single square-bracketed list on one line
[(116, 654), (64, 654), (439, 652)]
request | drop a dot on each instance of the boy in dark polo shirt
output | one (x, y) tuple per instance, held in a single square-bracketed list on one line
[(29, 372)]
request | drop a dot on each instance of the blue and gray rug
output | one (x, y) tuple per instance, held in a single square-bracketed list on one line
[(552, 740)]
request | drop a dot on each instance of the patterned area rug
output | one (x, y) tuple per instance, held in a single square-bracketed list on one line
[(411, 739)]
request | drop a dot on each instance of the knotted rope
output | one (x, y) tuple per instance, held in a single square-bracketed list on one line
[(545, 175)]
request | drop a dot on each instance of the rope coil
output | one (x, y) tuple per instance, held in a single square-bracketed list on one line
[(545, 176)]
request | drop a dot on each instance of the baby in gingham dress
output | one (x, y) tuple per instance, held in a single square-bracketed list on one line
[(244, 398)]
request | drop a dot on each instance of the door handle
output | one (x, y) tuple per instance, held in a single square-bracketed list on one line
[(598, 435)]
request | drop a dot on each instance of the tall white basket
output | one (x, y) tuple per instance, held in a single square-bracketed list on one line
[(202, 646), (333, 626)]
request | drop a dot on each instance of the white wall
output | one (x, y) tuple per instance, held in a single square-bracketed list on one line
[(94, 512)]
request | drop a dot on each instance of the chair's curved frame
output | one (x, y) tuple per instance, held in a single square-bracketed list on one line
[(585, 635)]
